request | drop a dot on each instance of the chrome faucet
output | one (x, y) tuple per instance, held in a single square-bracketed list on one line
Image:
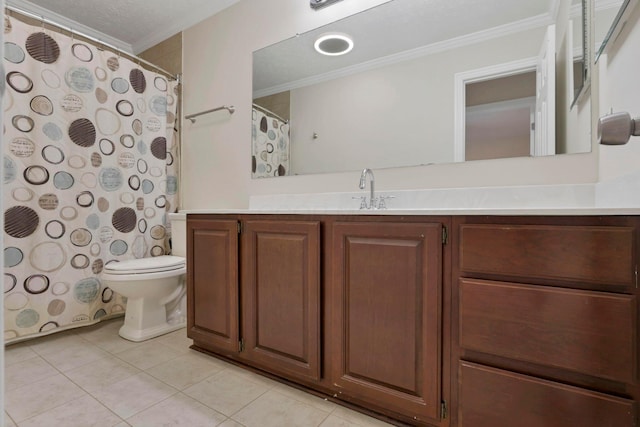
[(363, 184)]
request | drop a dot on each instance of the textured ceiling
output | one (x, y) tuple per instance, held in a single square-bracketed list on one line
[(131, 25)]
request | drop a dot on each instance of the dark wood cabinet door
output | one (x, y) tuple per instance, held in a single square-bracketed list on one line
[(281, 297), (386, 316), (212, 284)]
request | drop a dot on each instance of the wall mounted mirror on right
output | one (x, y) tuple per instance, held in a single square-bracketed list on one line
[(427, 82), (610, 19)]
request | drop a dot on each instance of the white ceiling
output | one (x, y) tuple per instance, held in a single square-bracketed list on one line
[(130, 25)]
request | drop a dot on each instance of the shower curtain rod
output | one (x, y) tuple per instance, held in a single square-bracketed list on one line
[(264, 110), (135, 58)]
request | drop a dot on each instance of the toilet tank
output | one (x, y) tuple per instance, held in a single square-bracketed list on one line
[(178, 223)]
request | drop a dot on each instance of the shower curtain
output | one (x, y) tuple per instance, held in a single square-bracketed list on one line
[(90, 171), (269, 146)]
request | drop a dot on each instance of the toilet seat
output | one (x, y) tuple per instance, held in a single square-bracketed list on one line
[(158, 264)]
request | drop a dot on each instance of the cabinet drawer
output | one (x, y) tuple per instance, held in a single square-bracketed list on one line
[(584, 254), (495, 398), (581, 331)]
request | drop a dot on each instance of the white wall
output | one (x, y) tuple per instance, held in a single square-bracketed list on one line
[(620, 91), (217, 155)]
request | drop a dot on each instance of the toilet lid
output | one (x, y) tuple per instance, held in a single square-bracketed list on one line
[(146, 265)]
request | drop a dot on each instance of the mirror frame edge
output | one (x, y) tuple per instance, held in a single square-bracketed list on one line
[(587, 63)]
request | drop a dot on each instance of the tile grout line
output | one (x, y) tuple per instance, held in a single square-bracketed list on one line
[(60, 372), (88, 393), (187, 396), (173, 343), (11, 418), (65, 403), (39, 379), (177, 391)]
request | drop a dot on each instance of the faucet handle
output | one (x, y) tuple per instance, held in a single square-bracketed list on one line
[(381, 203), (363, 201)]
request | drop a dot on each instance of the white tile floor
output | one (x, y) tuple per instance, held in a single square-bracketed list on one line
[(92, 377)]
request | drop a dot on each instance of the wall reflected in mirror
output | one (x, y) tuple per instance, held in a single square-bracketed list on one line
[(577, 39), (391, 102)]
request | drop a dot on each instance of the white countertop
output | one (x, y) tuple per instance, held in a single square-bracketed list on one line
[(617, 197), (433, 212)]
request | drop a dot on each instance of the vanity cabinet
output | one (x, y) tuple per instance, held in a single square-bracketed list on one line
[(386, 319), (254, 292), (440, 321), (546, 321)]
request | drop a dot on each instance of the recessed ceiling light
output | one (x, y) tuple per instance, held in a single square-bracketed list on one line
[(334, 44)]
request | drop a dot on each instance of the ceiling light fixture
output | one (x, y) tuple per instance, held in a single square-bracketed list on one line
[(334, 44)]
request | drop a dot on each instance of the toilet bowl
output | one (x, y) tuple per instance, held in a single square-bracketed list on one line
[(150, 285)]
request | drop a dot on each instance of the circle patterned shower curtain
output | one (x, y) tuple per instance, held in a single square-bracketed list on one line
[(90, 170)]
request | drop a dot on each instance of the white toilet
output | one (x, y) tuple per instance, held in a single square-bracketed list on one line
[(155, 289), (149, 285)]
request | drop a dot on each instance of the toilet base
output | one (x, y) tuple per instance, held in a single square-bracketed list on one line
[(146, 318), (137, 335)]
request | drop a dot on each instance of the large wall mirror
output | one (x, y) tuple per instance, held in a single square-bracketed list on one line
[(425, 82), (610, 18)]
